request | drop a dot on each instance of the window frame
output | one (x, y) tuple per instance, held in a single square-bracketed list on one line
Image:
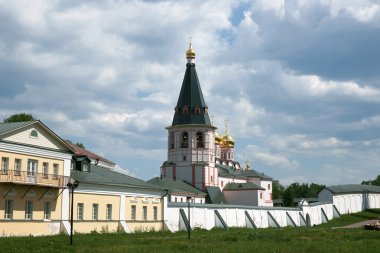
[(17, 167), (8, 209), (133, 212), (80, 211), (109, 212), (32, 168), (28, 210), (145, 213), (4, 165), (95, 211), (155, 213), (45, 170), (47, 210)]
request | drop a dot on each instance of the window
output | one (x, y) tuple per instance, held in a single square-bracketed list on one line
[(133, 212), (184, 158), (261, 195), (28, 210), (268, 186), (95, 211), (145, 213), (80, 209), (199, 140), (222, 183), (8, 215), (197, 110), (45, 170), (185, 140), (34, 134), (32, 168), (55, 170), (85, 167), (171, 140), (109, 212), (17, 167), (185, 109), (175, 199), (155, 213), (4, 165), (47, 211)]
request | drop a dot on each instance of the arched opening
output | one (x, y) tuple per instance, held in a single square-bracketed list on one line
[(171, 140), (200, 140), (185, 140)]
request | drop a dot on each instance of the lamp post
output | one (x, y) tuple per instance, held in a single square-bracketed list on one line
[(72, 184), (188, 216)]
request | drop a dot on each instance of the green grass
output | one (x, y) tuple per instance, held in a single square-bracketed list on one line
[(347, 219), (316, 239)]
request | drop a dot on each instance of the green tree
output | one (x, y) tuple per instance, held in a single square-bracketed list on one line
[(376, 181), (277, 190), (19, 117)]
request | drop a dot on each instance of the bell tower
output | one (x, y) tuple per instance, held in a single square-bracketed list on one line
[(191, 137)]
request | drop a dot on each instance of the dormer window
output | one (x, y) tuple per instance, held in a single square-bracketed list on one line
[(197, 110), (85, 167), (185, 109)]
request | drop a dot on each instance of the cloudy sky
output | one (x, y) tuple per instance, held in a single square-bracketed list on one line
[(298, 81)]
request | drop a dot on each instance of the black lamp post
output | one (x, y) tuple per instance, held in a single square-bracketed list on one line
[(72, 184), (188, 215)]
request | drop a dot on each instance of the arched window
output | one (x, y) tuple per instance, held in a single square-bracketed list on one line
[(185, 109), (200, 140), (185, 140), (171, 140)]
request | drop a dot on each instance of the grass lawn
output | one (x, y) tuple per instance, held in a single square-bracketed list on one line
[(316, 239)]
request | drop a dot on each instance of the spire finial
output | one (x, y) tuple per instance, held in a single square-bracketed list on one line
[(226, 125), (190, 53)]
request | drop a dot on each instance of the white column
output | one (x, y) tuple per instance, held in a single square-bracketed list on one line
[(122, 208)]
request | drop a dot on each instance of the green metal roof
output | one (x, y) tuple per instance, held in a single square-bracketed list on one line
[(192, 97), (215, 195), (175, 186), (353, 188), (104, 176), (9, 127), (242, 186), (228, 171)]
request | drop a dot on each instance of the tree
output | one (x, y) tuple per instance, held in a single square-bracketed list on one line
[(81, 145), (376, 181), (19, 117), (277, 190)]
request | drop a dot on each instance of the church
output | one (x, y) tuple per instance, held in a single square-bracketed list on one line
[(204, 160)]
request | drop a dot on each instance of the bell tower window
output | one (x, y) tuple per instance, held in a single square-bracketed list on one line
[(185, 140), (197, 110), (200, 140), (171, 140)]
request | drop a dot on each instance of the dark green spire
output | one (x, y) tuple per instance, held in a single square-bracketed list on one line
[(191, 107)]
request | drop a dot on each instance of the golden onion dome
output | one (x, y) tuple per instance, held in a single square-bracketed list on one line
[(190, 53), (228, 141), (217, 138)]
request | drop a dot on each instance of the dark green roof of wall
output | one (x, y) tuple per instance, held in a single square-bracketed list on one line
[(175, 186), (228, 171), (214, 195), (192, 97), (242, 186), (353, 188), (104, 176)]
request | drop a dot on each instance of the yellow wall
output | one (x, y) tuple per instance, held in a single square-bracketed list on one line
[(102, 200), (99, 226), (20, 228), (34, 194), (139, 202), (24, 162)]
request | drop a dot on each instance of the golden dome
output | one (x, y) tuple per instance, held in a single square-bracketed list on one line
[(190, 53), (228, 141), (217, 138)]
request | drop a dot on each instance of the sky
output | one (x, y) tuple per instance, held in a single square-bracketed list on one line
[(298, 81)]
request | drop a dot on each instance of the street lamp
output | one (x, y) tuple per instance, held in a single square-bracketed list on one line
[(188, 199), (72, 184)]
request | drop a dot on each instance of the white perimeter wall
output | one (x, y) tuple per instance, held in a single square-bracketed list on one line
[(203, 216)]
